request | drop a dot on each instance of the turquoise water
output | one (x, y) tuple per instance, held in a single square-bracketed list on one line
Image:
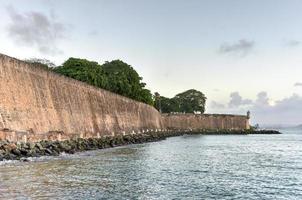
[(187, 167)]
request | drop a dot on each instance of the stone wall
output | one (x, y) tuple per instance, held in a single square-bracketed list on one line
[(37, 104), (205, 121)]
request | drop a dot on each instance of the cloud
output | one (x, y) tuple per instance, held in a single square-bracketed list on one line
[(293, 102), (241, 47), (262, 99), (292, 43), (237, 100), (216, 105), (93, 32), (34, 29), (287, 111), (298, 84)]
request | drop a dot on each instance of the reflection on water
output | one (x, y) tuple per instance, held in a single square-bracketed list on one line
[(188, 167)]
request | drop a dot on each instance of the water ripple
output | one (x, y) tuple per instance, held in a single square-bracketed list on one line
[(188, 167)]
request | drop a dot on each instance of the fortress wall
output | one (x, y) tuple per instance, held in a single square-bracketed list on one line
[(205, 121), (38, 101), (37, 104)]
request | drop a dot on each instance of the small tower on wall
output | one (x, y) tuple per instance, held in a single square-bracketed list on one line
[(248, 116)]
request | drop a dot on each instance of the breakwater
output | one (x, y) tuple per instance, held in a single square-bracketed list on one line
[(22, 150)]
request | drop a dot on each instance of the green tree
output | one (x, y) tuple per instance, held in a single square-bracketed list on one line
[(83, 70), (115, 76), (124, 80), (157, 101), (169, 105), (44, 63), (189, 101)]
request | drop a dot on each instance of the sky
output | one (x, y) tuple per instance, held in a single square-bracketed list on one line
[(242, 54)]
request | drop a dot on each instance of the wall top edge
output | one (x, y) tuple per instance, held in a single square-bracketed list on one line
[(68, 79), (207, 114)]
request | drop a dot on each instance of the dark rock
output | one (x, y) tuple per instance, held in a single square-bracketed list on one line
[(10, 156), (55, 148), (39, 146), (48, 152), (24, 159), (16, 152), (55, 153), (24, 151), (12, 151), (32, 153), (71, 151), (24, 145), (64, 146), (31, 145)]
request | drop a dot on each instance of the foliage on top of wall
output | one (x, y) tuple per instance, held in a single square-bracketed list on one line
[(43, 63), (121, 78), (83, 70), (115, 76), (190, 101), (124, 80)]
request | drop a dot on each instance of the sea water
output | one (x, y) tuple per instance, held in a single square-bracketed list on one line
[(186, 167)]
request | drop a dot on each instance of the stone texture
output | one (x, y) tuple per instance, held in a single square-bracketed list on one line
[(37, 104), (205, 121), (39, 101)]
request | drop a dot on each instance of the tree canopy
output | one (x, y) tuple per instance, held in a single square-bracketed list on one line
[(121, 78), (44, 63), (189, 101), (124, 80), (83, 70), (115, 76)]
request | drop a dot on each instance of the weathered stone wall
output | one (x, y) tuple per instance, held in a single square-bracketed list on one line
[(205, 121), (40, 102), (37, 104)]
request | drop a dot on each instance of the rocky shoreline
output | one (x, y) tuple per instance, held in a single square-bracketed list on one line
[(21, 150)]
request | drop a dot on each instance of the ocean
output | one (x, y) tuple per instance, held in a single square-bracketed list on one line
[(185, 167)]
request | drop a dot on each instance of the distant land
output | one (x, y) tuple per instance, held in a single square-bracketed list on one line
[(280, 126), (299, 126)]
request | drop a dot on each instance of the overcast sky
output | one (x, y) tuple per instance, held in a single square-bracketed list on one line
[(243, 54)]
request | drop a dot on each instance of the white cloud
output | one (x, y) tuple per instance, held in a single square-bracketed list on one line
[(216, 105), (34, 29), (284, 111), (242, 47), (262, 99), (237, 100), (293, 43), (298, 84)]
